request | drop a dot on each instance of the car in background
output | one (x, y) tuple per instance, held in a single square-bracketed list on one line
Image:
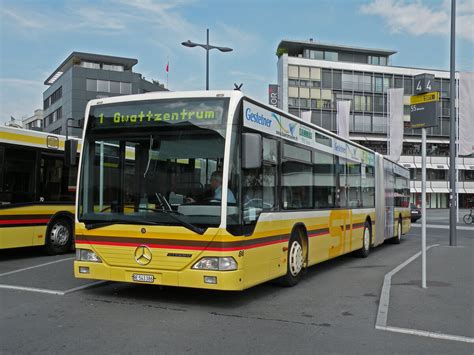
[(415, 213)]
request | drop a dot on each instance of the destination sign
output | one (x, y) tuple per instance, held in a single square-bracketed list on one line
[(158, 112)]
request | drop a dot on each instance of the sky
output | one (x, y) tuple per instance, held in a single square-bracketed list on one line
[(36, 36)]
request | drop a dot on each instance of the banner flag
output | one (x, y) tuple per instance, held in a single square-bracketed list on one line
[(342, 118), (395, 122), (306, 116), (466, 113)]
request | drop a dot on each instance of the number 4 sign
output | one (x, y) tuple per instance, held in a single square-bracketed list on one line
[(423, 83)]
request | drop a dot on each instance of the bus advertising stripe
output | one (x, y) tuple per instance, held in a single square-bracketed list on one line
[(24, 217), (318, 232), (6, 223), (182, 244), (192, 244), (357, 225)]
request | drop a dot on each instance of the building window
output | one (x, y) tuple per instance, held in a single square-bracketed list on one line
[(380, 124), (332, 56), (115, 87), (292, 82), (55, 96), (91, 85), (112, 67), (378, 84), (327, 79), (103, 86), (90, 65), (125, 88)]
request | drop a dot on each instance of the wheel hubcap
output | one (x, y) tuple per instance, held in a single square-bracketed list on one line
[(366, 239), (296, 258), (59, 235)]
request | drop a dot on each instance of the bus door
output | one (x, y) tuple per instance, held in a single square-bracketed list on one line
[(51, 184), (389, 182), (340, 219)]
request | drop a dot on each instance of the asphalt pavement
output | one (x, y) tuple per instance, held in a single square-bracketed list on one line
[(333, 309)]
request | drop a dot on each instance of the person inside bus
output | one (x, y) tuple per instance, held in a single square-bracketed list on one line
[(215, 192)]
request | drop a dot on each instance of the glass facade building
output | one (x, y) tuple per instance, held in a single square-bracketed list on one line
[(313, 76)]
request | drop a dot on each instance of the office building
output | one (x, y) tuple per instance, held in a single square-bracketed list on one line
[(313, 76), (85, 76), (34, 122)]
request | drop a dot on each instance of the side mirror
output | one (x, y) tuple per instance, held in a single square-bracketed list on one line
[(70, 152), (251, 150)]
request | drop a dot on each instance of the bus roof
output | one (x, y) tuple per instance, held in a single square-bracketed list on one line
[(26, 137)]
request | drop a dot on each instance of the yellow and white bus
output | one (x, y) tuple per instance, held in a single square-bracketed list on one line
[(37, 191), (216, 190)]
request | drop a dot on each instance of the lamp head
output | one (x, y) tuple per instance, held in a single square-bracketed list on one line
[(188, 43)]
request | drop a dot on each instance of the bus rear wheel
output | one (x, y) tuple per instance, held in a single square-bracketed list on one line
[(58, 237), (398, 238), (366, 240), (295, 261)]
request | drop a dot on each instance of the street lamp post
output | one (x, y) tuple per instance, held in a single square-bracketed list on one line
[(207, 47)]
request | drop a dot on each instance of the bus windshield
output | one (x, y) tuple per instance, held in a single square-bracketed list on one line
[(157, 162)]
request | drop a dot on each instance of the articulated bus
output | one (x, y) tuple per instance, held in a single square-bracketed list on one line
[(37, 191), (216, 190)]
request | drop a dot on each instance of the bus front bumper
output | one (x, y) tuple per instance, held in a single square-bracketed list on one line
[(208, 279)]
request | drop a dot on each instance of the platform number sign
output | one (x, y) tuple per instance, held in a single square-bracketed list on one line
[(423, 83)]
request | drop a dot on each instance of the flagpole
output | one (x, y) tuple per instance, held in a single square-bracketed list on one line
[(167, 73)]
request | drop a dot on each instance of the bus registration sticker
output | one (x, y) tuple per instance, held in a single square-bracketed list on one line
[(143, 278)]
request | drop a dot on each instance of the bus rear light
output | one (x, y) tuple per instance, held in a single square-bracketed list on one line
[(87, 255), (227, 263)]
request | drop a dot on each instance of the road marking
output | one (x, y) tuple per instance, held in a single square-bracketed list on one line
[(51, 292), (440, 226), (424, 333), (71, 290), (385, 294), (32, 289), (35, 266), (381, 322)]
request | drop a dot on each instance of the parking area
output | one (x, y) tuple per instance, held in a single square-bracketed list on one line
[(29, 270), (333, 309)]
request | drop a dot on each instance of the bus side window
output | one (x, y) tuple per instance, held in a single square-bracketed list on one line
[(19, 178), (260, 185)]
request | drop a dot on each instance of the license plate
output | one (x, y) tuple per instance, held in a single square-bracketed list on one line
[(414, 212), (143, 278)]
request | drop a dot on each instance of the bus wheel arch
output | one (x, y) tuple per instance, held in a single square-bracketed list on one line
[(297, 255), (59, 237)]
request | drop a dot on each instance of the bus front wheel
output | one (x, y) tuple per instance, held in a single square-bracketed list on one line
[(295, 261), (58, 237)]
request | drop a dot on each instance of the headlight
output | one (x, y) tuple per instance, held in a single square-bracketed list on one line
[(87, 255), (227, 263)]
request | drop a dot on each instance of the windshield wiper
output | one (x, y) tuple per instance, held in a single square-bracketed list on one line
[(94, 225), (176, 216)]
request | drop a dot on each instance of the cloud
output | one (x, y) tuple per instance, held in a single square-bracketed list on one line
[(417, 18), (23, 20)]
